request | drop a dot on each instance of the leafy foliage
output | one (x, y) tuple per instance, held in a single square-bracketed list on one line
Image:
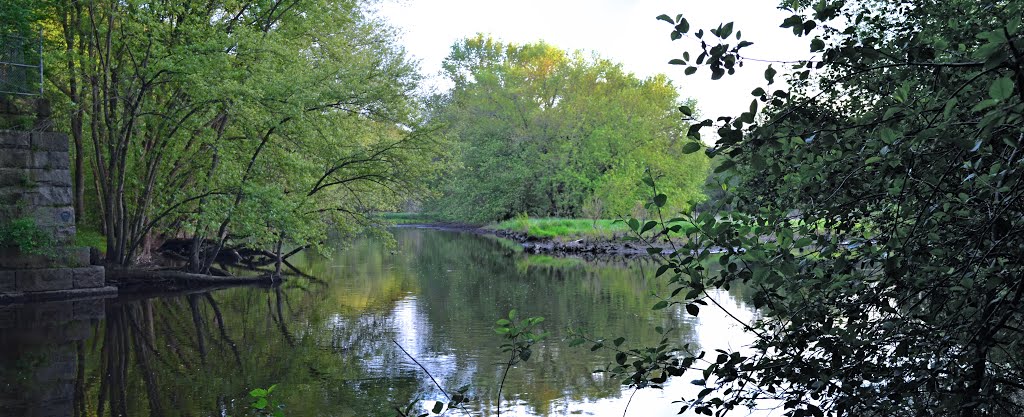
[(242, 121), (878, 215), (23, 233), (552, 133), (264, 405), (520, 336)]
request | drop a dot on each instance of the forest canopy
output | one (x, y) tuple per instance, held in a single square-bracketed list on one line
[(543, 131)]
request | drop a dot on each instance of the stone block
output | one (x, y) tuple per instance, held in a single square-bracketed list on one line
[(16, 158), (55, 177), (50, 141), (63, 234), (42, 196), (54, 216), (77, 256), (12, 259), (15, 140), (12, 196), (7, 281), (50, 160), (67, 257), (88, 277), (14, 177), (30, 280), (50, 196)]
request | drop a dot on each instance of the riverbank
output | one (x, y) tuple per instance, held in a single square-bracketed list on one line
[(557, 236)]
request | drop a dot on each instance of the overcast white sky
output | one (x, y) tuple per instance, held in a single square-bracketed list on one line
[(622, 30)]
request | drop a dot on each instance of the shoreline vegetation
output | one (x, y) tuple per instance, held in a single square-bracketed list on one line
[(547, 235)]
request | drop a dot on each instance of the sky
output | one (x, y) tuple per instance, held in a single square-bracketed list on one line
[(621, 30)]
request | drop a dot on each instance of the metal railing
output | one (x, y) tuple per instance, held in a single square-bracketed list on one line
[(21, 64)]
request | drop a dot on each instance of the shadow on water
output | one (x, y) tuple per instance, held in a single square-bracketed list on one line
[(327, 342)]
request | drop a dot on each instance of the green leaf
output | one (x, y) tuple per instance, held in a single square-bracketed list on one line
[(260, 404), (889, 135), (948, 109), (725, 31), (648, 226), (769, 74), (660, 200), (618, 341), (1001, 89), (438, 406), (817, 44), (683, 26), (660, 305), (690, 70), (692, 309), (666, 18), (725, 166), (676, 61), (525, 354), (258, 393), (686, 110), (691, 147), (984, 104), (621, 358)]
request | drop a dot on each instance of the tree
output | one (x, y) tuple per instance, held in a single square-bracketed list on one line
[(235, 121), (544, 131), (878, 217)]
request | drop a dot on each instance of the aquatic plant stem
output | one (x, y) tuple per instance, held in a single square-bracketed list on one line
[(443, 392), (501, 384)]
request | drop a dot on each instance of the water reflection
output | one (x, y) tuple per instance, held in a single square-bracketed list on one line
[(327, 342)]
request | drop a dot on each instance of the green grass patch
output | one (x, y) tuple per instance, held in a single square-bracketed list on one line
[(91, 238), (564, 228)]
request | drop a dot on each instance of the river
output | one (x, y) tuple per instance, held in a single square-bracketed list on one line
[(328, 341)]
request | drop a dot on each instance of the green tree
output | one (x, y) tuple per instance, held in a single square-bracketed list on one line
[(543, 131), (878, 215), (236, 123)]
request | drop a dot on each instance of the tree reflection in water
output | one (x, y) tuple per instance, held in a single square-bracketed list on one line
[(326, 341)]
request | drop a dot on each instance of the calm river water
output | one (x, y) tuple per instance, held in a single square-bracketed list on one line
[(329, 342)]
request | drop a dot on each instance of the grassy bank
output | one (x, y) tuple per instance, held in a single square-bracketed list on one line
[(544, 227), (564, 228), (90, 238)]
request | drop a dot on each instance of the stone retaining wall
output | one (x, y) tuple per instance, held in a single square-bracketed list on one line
[(35, 183)]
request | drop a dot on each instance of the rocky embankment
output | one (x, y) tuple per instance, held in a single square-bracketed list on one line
[(580, 246)]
